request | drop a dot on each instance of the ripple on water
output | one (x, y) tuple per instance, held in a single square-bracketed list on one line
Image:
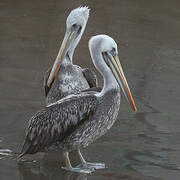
[(1, 139), (145, 161), (5, 152)]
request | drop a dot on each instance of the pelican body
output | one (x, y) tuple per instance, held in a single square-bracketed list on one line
[(76, 121), (64, 77)]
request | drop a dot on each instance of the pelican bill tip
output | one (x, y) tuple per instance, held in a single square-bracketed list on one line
[(135, 110)]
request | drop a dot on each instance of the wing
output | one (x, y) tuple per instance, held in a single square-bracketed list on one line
[(46, 76), (91, 78), (57, 121)]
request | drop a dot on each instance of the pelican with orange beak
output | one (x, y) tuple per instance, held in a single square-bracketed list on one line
[(76, 121), (64, 77)]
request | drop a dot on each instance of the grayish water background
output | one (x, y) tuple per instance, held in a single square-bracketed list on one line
[(144, 146)]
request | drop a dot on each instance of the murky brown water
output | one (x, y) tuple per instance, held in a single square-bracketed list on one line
[(144, 146)]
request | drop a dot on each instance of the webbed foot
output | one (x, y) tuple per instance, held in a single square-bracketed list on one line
[(92, 165), (79, 169)]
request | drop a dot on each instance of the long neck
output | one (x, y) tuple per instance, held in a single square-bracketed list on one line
[(74, 43), (68, 58), (109, 80)]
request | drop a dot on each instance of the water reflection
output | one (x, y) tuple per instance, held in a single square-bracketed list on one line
[(5, 152), (47, 172)]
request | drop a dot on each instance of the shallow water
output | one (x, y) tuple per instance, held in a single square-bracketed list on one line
[(144, 146)]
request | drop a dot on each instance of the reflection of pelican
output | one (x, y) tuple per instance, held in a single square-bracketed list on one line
[(46, 172), (78, 120), (65, 78)]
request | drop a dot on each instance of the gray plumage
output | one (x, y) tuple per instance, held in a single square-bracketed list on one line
[(70, 79), (71, 123)]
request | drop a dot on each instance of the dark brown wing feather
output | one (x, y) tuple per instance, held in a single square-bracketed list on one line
[(91, 78), (57, 121)]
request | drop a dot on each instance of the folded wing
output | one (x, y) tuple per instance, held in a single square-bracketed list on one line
[(57, 121)]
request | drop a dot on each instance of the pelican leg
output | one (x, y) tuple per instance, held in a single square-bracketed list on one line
[(89, 165), (69, 167)]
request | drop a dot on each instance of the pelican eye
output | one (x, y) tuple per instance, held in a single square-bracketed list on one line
[(76, 27), (113, 52), (105, 57)]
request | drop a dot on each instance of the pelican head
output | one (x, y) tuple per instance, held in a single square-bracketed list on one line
[(75, 26), (104, 53)]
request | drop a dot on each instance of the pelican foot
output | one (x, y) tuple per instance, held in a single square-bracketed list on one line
[(92, 165), (79, 169)]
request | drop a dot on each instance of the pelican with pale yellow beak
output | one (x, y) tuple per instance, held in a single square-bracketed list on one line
[(76, 121), (64, 77)]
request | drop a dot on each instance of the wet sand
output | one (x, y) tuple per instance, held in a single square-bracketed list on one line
[(144, 146)]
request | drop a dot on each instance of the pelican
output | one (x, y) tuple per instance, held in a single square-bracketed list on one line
[(76, 121), (66, 78)]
